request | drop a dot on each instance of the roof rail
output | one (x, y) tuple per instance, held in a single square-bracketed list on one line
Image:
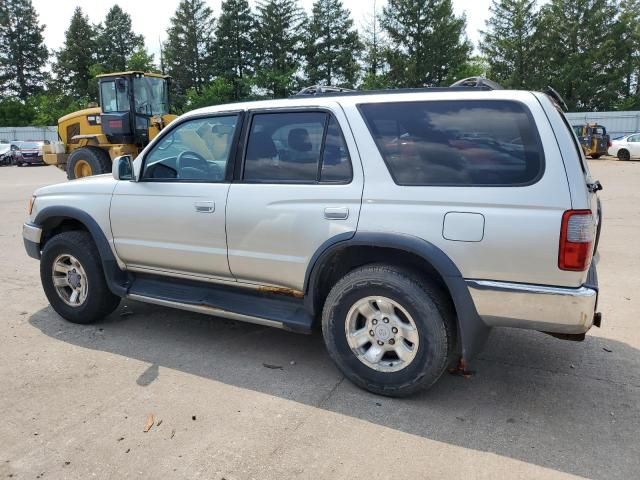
[(471, 83), (477, 82), (322, 89)]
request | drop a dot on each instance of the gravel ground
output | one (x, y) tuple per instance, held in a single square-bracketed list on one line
[(74, 400)]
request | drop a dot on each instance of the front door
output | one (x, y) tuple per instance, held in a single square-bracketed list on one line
[(173, 218), (300, 184)]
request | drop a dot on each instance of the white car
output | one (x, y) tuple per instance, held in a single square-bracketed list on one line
[(626, 147)]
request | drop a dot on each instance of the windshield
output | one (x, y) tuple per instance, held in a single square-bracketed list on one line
[(115, 98), (151, 95), (27, 145)]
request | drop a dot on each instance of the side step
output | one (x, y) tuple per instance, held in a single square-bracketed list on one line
[(237, 303)]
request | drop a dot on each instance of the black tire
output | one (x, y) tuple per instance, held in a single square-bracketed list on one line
[(100, 301), (624, 155), (596, 156), (98, 160), (422, 300)]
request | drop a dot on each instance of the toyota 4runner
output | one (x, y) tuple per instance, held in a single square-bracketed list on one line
[(406, 224)]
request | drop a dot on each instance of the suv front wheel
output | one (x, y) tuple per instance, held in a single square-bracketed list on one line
[(73, 279), (384, 329)]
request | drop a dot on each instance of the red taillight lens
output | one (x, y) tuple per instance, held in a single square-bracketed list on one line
[(610, 143), (115, 123), (577, 234)]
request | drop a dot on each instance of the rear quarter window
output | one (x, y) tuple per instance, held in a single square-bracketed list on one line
[(457, 143)]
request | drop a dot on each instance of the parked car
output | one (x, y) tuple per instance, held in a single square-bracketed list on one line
[(626, 147), (30, 154), (405, 224), (6, 154)]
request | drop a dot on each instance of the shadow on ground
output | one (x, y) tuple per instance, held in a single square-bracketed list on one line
[(571, 407)]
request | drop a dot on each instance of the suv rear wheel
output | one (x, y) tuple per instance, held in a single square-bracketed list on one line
[(73, 279), (384, 329)]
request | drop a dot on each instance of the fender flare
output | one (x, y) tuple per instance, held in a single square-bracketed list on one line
[(116, 278), (472, 331)]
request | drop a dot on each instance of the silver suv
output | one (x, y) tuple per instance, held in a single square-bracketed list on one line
[(406, 224)]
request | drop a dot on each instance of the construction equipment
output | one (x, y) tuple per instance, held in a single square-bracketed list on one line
[(134, 107), (593, 138)]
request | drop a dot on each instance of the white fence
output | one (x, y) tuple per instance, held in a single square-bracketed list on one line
[(7, 134), (616, 123)]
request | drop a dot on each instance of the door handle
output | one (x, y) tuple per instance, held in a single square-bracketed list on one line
[(205, 207), (336, 213)]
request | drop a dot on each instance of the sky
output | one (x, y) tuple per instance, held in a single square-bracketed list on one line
[(151, 17)]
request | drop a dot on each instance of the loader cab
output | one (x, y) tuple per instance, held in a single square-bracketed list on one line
[(129, 101)]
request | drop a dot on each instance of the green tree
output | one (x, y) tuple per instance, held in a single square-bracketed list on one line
[(427, 41), (116, 41), (577, 53), (142, 61), (219, 91), (508, 41), (332, 45), (234, 51), (188, 51), (374, 63), (628, 30), (75, 60), (279, 43), (23, 54), (15, 113)]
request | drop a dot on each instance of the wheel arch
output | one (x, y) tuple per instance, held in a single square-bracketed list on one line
[(344, 252), (56, 219)]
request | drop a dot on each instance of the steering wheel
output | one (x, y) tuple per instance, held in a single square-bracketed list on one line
[(201, 169)]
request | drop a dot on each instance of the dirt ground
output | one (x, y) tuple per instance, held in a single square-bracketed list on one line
[(74, 399)]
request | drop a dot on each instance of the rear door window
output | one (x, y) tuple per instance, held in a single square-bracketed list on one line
[(296, 147), (457, 143)]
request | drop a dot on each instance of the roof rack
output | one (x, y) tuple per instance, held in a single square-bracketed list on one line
[(471, 83), (476, 82), (322, 89)]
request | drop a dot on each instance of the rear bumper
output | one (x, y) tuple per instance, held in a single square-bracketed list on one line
[(31, 236), (537, 307)]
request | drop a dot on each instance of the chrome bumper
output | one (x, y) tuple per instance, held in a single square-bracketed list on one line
[(31, 232), (31, 235), (536, 307)]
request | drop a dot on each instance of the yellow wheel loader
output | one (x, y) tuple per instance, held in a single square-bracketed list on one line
[(134, 107)]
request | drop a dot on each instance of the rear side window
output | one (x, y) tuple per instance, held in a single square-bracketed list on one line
[(457, 143), (296, 147)]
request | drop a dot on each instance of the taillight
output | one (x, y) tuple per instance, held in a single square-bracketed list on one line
[(610, 143), (577, 234)]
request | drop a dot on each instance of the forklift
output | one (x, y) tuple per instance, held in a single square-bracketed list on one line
[(134, 108)]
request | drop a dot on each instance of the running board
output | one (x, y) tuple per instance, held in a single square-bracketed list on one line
[(236, 303)]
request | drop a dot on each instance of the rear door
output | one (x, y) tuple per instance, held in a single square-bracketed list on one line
[(634, 145), (299, 183)]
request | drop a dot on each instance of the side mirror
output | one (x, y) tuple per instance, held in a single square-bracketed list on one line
[(123, 168)]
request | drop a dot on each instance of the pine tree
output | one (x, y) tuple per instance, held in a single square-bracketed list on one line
[(116, 41), (188, 51), (373, 58), (508, 41), (23, 54), (332, 45), (576, 53), (427, 41), (74, 62), (628, 28), (279, 43), (234, 51)]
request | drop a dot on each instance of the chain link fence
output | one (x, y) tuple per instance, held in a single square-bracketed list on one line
[(8, 134)]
